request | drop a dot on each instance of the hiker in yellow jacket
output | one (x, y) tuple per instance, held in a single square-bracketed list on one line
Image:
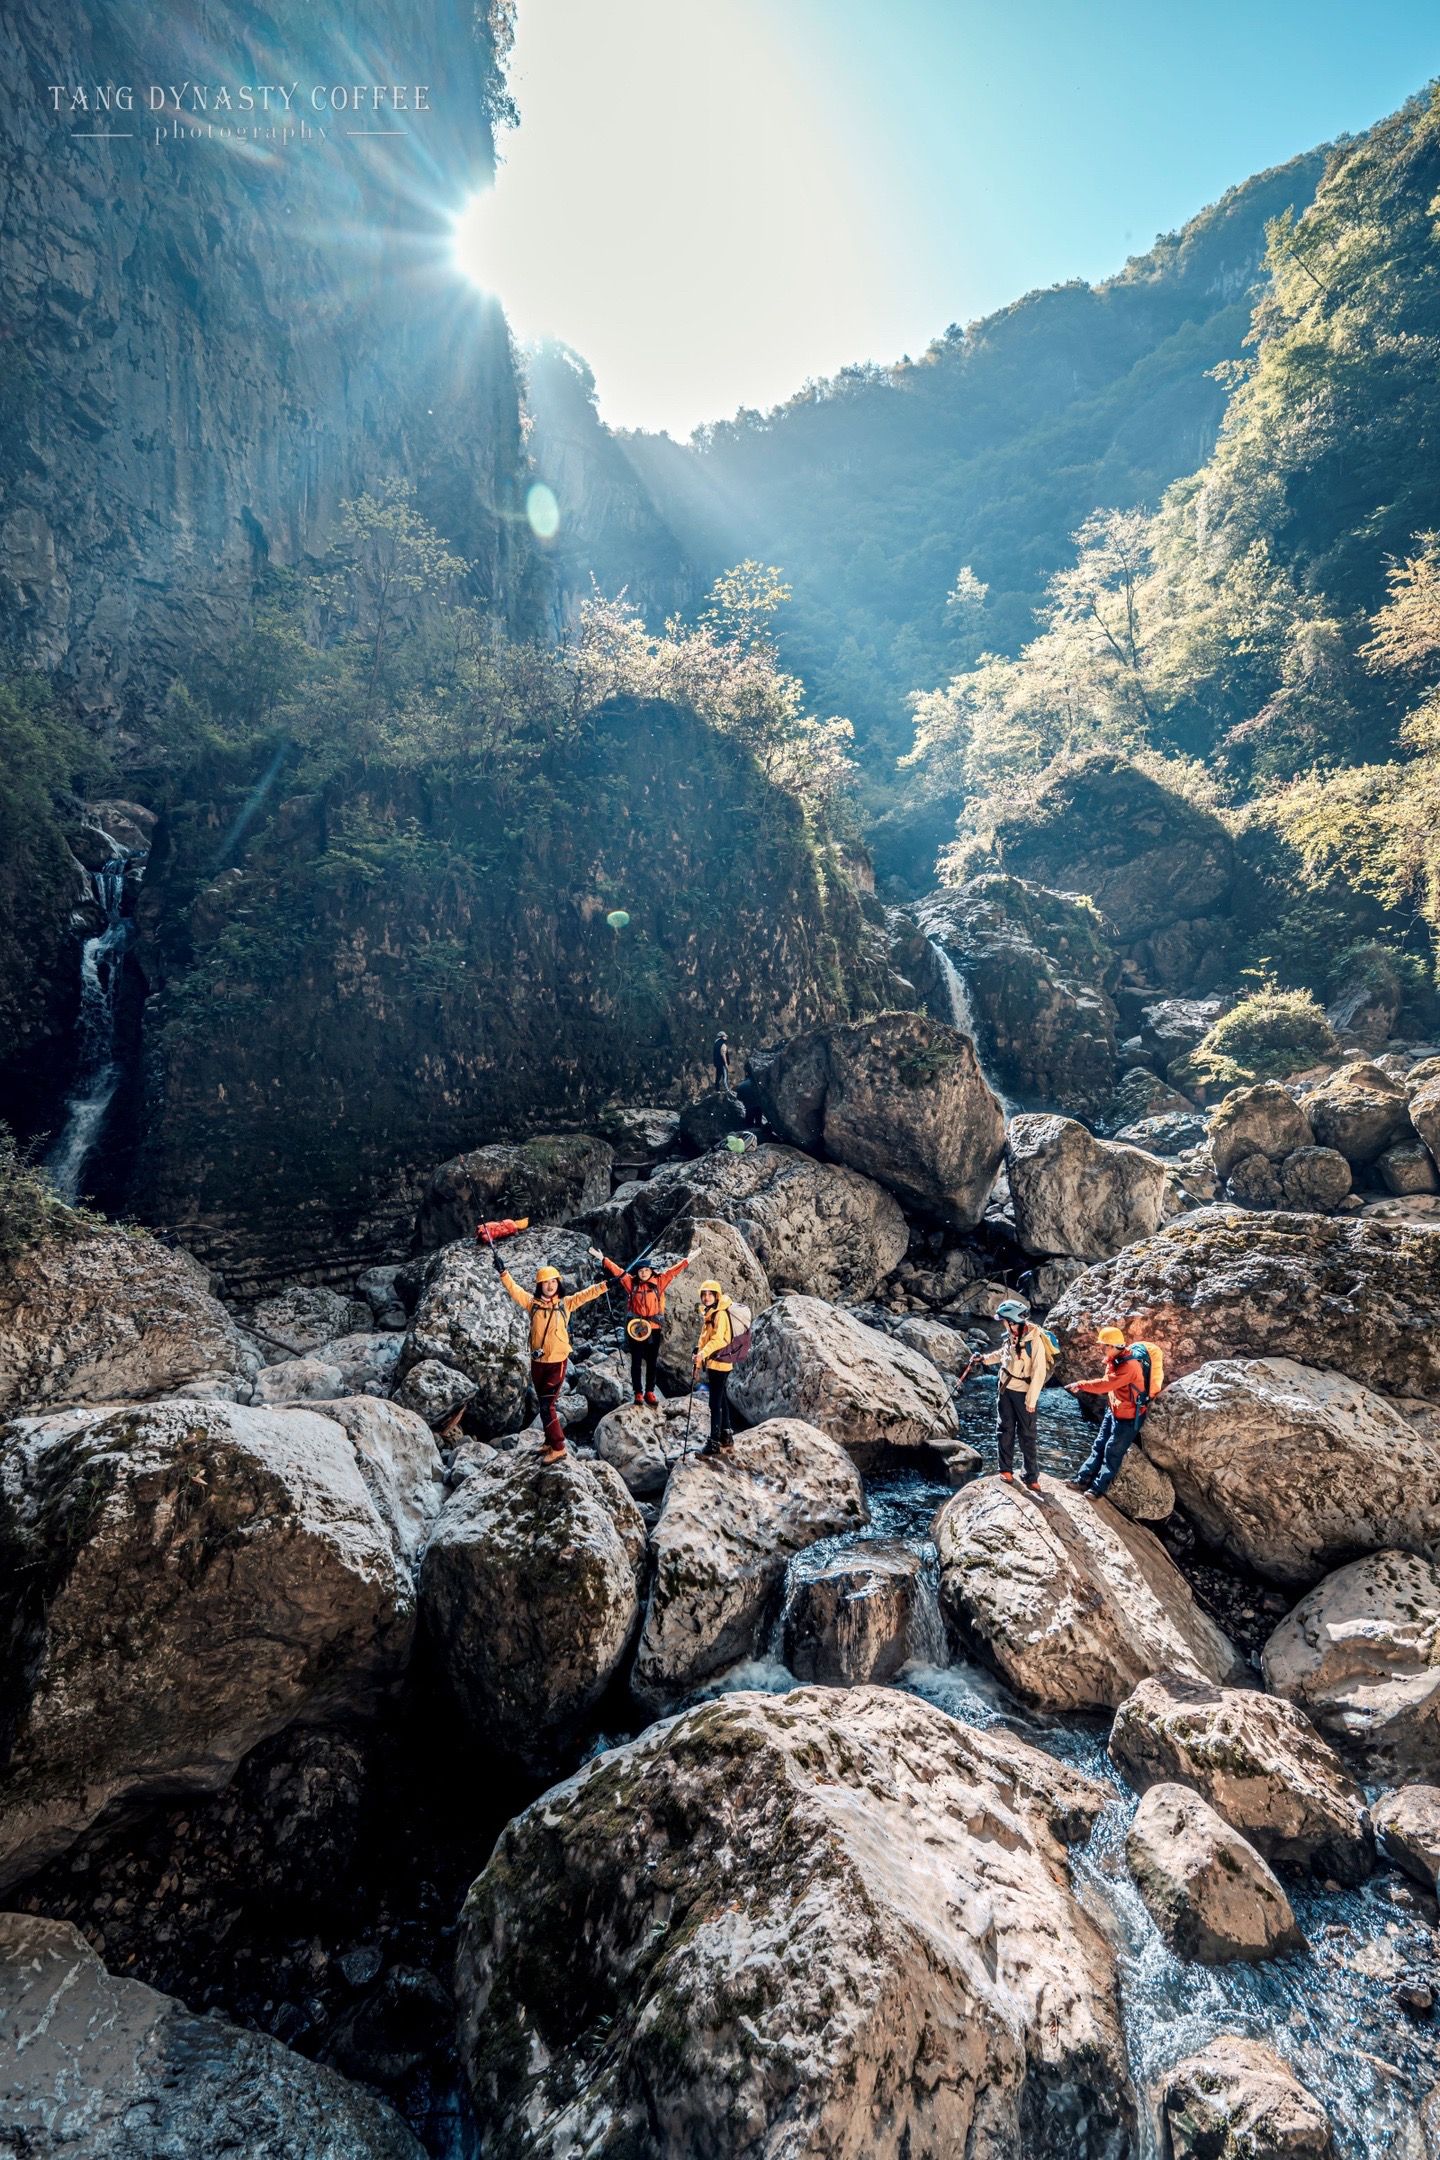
[(549, 1342), (713, 1358)]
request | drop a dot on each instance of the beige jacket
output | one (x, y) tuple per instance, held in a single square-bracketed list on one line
[(1023, 1365)]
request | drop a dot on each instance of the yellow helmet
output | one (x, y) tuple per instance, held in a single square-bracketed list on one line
[(1113, 1335), (711, 1286), (547, 1274)]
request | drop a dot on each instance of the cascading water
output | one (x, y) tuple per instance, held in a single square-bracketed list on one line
[(98, 1065), (957, 997)]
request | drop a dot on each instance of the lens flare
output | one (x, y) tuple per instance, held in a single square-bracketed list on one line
[(543, 511)]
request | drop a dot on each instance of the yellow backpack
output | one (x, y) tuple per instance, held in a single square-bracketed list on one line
[(1151, 1360)]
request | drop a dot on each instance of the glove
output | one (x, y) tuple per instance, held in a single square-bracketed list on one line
[(496, 1262)]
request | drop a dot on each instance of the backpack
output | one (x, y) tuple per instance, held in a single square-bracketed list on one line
[(1151, 1360), (741, 1324)]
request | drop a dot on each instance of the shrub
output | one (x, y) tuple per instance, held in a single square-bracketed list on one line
[(30, 1208), (1263, 1037)]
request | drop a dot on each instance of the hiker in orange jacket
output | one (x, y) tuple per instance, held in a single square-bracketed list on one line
[(1123, 1381), (549, 1342), (645, 1290)]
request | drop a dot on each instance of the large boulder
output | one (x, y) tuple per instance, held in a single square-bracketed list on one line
[(1171, 1028), (812, 1226), (866, 1390), (1315, 1177), (1262, 1120), (1407, 1829), (1408, 1167), (1238, 2100), (95, 2065), (1359, 1111), (1209, 1892), (1351, 1297), (530, 1592), (1424, 1111), (1071, 1603), (812, 1925), (643, 1443), (1259, 1762), (1077, 1196), (711, 1118), (1036, 971), (1361, 1656), (861, 1616), (900, 1098), (1146, 856), (113, 1316), (717, 1253), (180, 1580), (466, 1318), (297, 1319), (725, 1534), (552, 1178), (1140, 1096), (1291, 1470)]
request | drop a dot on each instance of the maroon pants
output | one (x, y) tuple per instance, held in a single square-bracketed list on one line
[(547, 1377)]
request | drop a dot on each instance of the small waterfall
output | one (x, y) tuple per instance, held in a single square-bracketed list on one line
[(98, 1066), (957, 997)]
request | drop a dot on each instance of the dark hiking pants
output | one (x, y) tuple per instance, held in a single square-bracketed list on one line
[(1012, 1417)]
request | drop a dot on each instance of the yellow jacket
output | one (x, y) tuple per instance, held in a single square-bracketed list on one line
[(549, 1323), (716, 1335)]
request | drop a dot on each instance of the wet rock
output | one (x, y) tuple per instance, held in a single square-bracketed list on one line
[(1361, 1656), (1407, 1167), (114, 1317), (1407, 1828), (1077, 1196), (642, 1443), (552, 1179), (1291, 1470), (304, 1316), (1255, 1183), (848, 1875), (467, 1320), (1360, 1111), (529, 1592), (1414, 1995), (1317, 1177), (1037, 968), (717, 1253), (97, 2064), (1357, 1297), (869, 1392), (181, 1580), (1209, 1892), (434, 1391), (1259, 1762), (812, 1226), (899, 1098), (1238, 2100), (1262, 1120), (726, 1532), (860, 1617), (1072, 1604), (706, 1121)]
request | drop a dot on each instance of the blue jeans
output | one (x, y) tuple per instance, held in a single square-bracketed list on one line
[(1112, 1445)]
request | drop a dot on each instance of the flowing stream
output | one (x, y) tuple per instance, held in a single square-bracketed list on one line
[(98, 1066), (1328, 2011)]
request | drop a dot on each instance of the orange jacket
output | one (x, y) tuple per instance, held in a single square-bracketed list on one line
[(1122, 1380), (646, 1300), (550, 1321)]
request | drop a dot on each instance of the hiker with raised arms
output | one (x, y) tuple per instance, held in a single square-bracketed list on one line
[(645, 1287), (549, 1342)]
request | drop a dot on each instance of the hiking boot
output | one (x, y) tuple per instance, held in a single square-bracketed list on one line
[(1032, 1484), (553, 1455), (651, 1398), (1077, 1484), (1009, 1476), (637, 1400)]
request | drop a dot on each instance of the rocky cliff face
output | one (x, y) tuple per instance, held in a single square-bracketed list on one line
[(211, 343), (342, 1011)]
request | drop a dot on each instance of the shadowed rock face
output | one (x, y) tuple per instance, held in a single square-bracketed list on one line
[(96, 2064), (179, 1581), (877, 1890)]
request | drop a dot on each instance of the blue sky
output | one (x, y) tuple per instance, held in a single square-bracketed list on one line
[(714, 199)]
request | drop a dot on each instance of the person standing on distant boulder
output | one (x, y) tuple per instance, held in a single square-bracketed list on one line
[(1124, 1381), (549, 1342), (645, 1290), (713, 1357), (1023, 1359), (721, 1055)]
